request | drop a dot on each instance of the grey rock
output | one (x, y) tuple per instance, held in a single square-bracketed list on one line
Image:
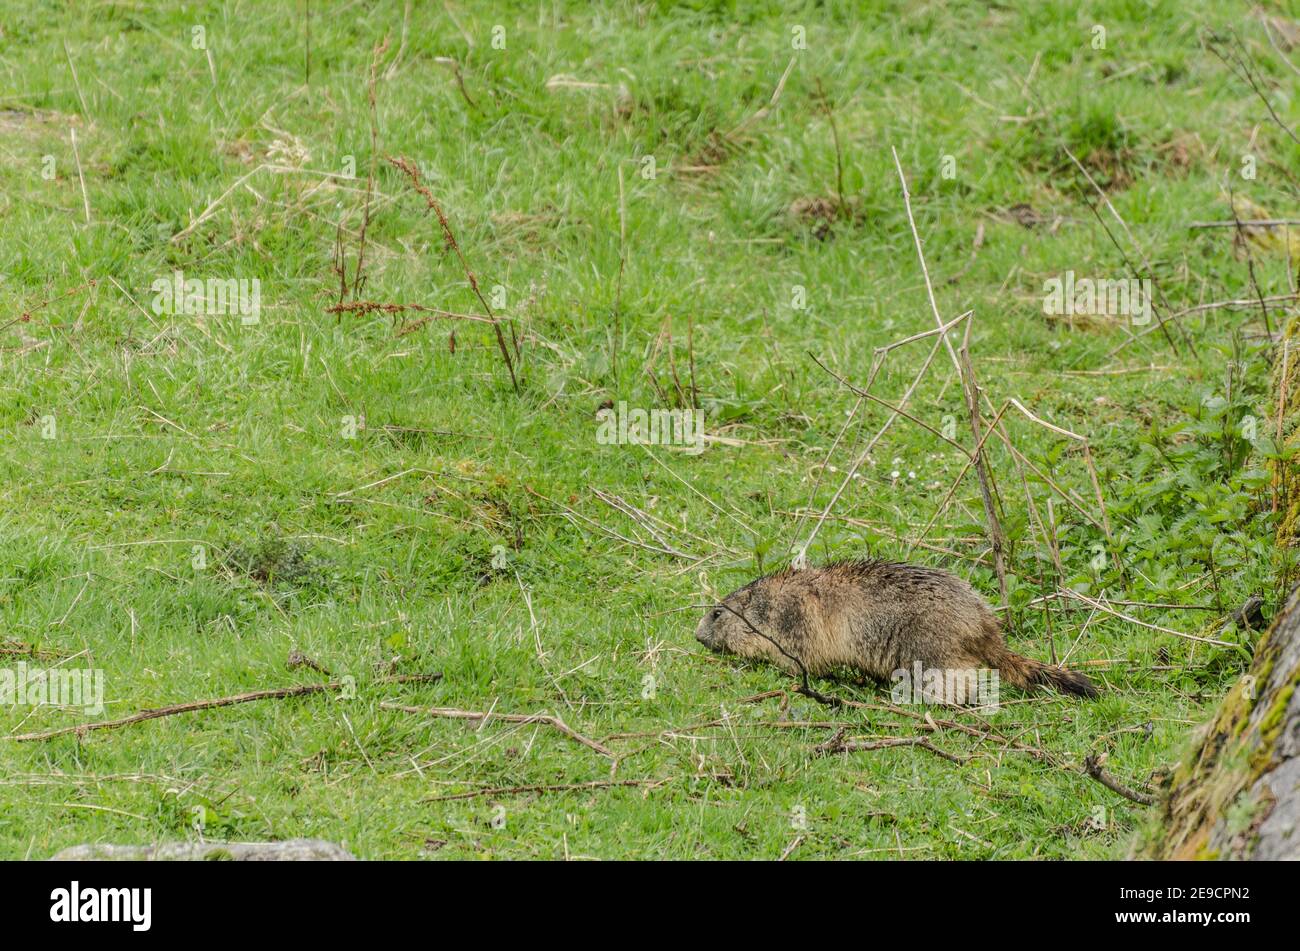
[(293, 850)]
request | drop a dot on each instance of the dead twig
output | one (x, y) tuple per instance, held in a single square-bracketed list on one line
[(280, 693), (454, 66), (1092, 475), (838, 744), (1069, 592), (1241, 65), (26, 316), (298, 659), (825, 104), (925, 271), (1248, 222), (897, 410), (1150, 272), (1250, 258), (952, 489), (82, 728), (557, 787), (862, 456), (1093, 768), (983, 732)]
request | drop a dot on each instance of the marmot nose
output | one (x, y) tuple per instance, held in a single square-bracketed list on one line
[(702, 635)]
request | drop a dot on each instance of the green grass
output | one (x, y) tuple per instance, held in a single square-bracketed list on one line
[(384, 552)]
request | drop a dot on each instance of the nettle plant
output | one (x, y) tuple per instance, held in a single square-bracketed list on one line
[(1198, 499)]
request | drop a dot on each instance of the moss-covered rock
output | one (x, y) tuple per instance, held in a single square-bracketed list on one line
[(1236, 794), (1286, 391)]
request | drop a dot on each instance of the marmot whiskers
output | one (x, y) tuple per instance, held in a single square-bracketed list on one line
[(876, 617)]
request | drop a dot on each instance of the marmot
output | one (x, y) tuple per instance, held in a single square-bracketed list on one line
[(876, 617)]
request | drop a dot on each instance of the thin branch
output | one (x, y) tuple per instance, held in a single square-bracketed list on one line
[(301, 690), (837, 744), (1241, 60), (897, 410), (1069, 592), (920, 255), (1160, 320), (1093, 768), (558, 787)]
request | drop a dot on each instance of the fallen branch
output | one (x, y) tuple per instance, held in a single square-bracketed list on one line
[(1092, 475), (878, 357), (558, 787), (1249, 223), (837, 744), (789, 849), (979, 445), (982, 732), (862, 456), (83, 728), (280, 693), (1250, 257), (643, 519), (26, 315), (1069, 592), (1199, 308), (925, 271), (1093, 768)]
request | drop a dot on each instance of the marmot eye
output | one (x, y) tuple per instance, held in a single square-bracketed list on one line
[(717, 613)]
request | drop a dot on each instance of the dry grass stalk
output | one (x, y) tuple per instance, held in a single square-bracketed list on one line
[(996, 537), (485, 715), (409, 169)]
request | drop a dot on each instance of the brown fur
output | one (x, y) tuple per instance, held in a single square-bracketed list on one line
[(875, 617)]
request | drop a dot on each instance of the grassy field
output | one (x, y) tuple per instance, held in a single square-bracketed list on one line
[(664, 205)]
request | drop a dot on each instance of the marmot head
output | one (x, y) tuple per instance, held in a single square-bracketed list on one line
[(734, 625)]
